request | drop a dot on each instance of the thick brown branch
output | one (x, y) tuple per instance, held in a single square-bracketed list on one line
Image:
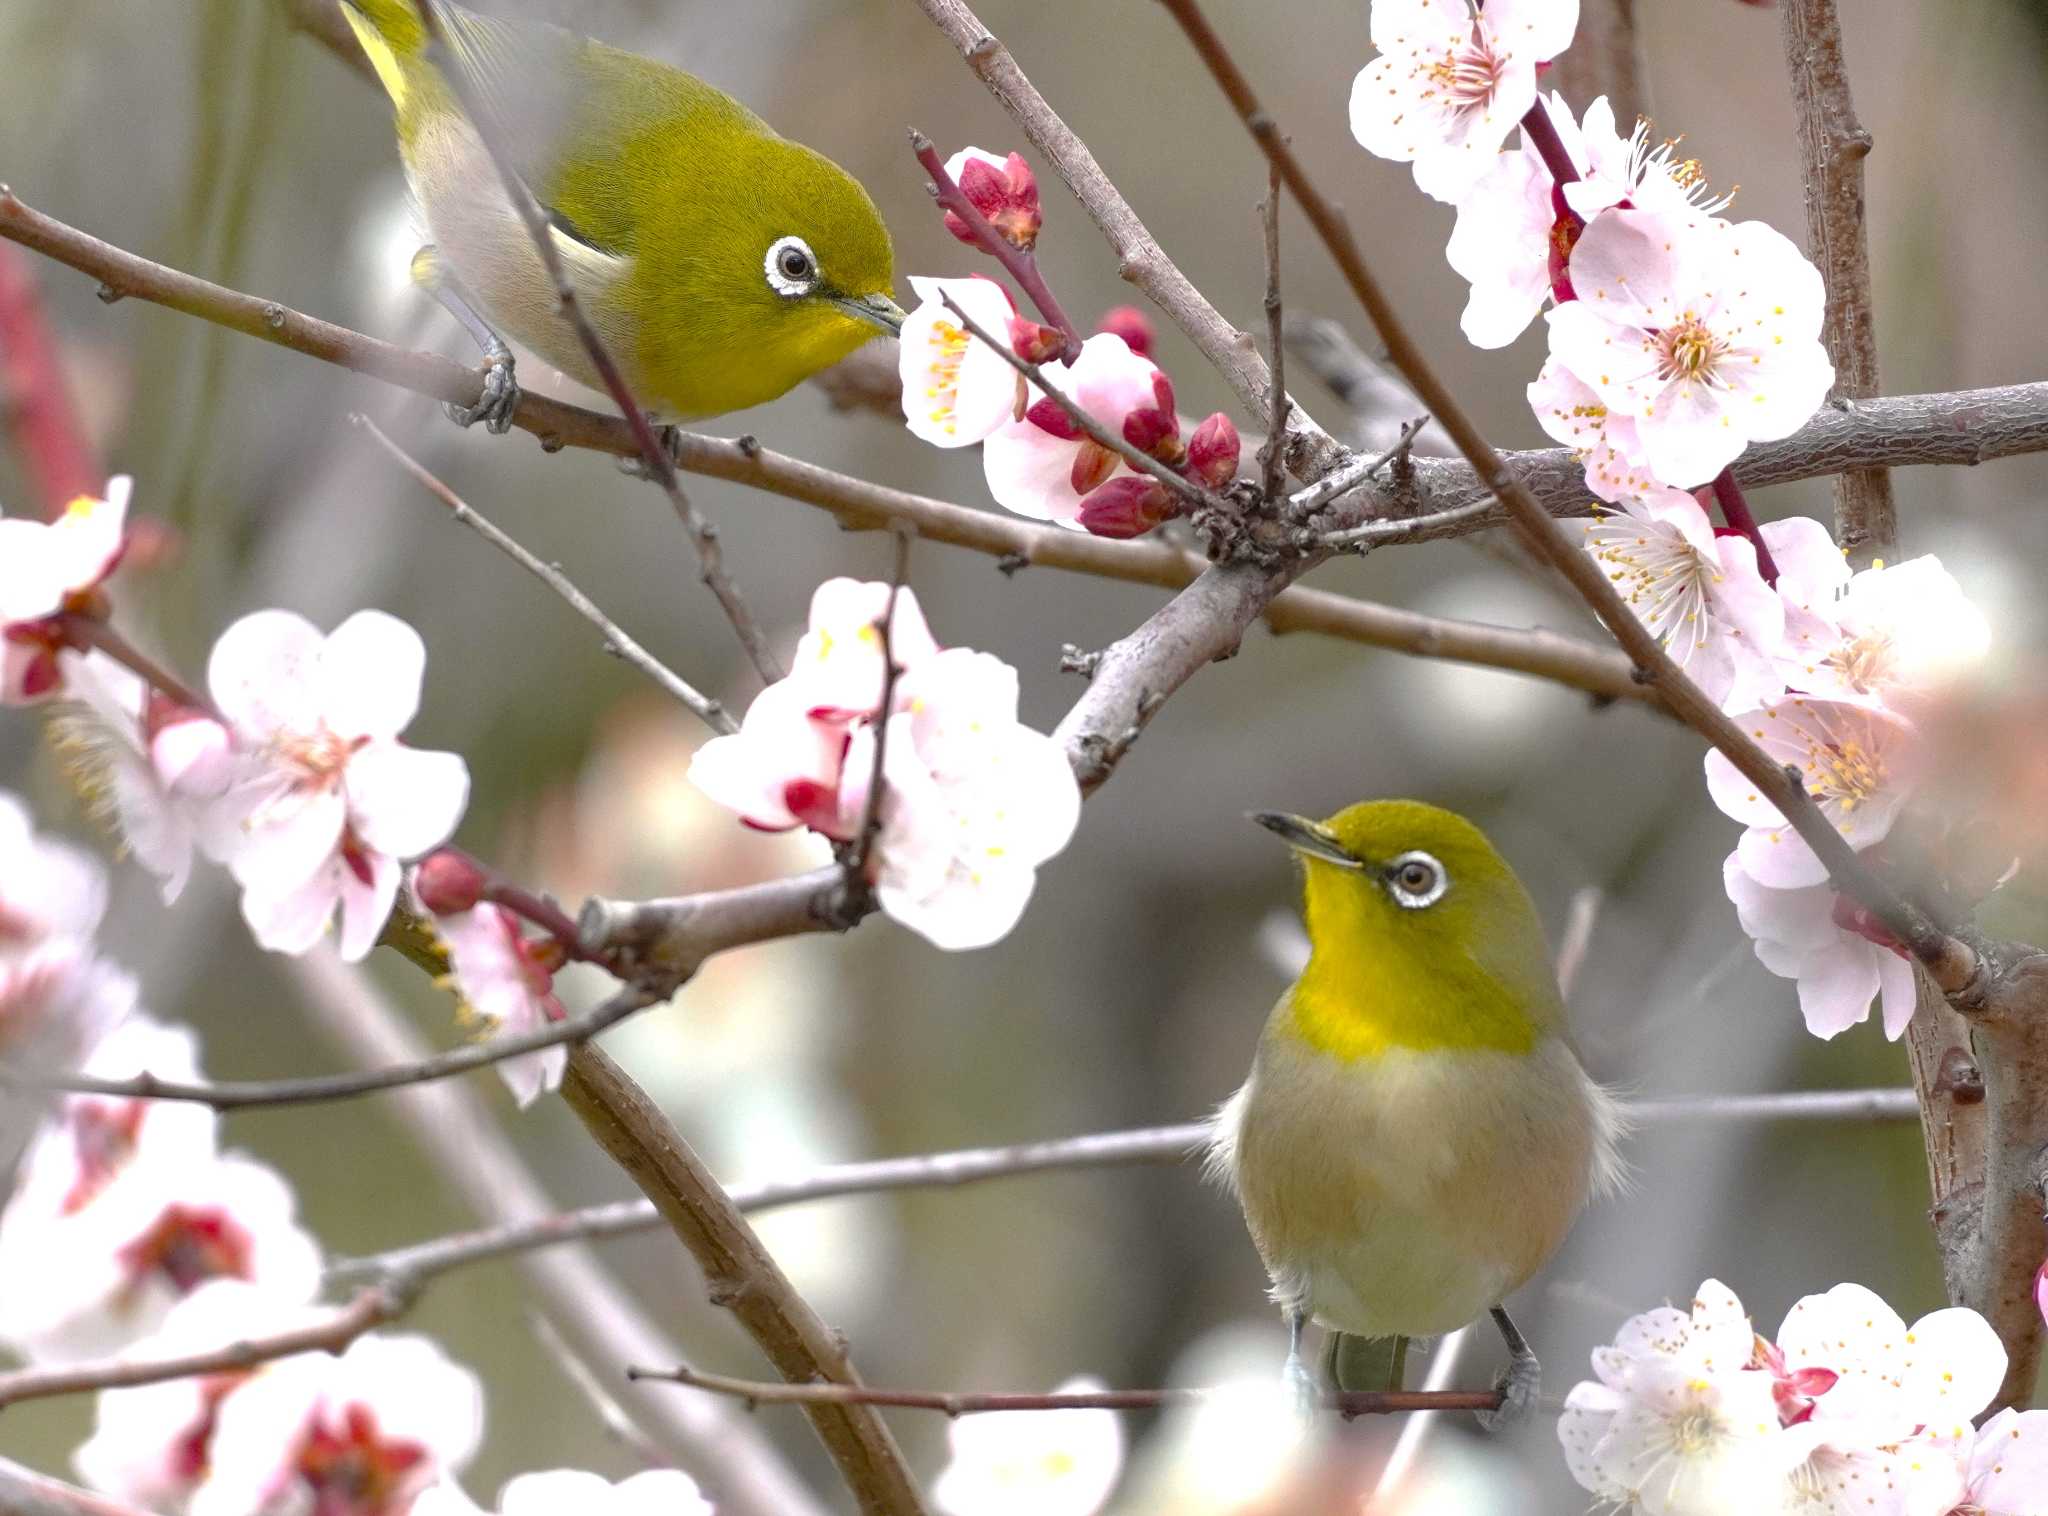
[(372, 1307), (1832, 147), (740, 1275)]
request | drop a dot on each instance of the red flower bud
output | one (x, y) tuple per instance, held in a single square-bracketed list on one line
[(1034, 343), (1131, 324), (1213, 452), (1129, 506), (448, 883), (1092, 464), (1007, 196), (1156, 433), (1049, 416)]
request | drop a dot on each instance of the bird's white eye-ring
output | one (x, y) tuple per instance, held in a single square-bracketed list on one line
[(1416, 879), (791, 267)]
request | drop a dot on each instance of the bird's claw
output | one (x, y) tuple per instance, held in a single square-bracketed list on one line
[(1517, 1386), (497, 403)]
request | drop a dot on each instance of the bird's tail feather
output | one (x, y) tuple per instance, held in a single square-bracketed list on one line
[(1367, 1363)]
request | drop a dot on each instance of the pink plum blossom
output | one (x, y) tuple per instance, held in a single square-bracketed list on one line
[(1799, 936), (1856, 762), (1451, 81), (1573, 413), (1895, 635), (1031, 1463), (656, 1492), (47, 569), (1706, 334), (973, 801), (363, 1432), (1043, 465), (956, 391), (328, 801), (2006, 1473), (502, 977), (1699, 593)]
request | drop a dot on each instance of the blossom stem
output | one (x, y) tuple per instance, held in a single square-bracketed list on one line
[(1735, 510), (90, 633), (1020, 265), (1538, 131)]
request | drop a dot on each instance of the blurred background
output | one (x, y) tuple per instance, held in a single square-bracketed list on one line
[(209, 135)]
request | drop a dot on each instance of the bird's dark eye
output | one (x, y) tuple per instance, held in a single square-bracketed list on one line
[(1416, 879), (791, 267)]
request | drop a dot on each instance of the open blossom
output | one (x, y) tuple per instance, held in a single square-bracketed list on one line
[(1676, 1422), (1856, 762), (1706, 334), (657, 1492), (46, 569), (1032, 1463), (361, 1433), (1697, 592), (1894, 635), (957, 390), (1516, 226), (973, 801), (2001, 1469), (504, 978), (1043, 464), (1451, 81), (163, 766), (1799, 935), (329, 800)]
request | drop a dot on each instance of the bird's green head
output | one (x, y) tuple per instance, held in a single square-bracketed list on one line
[(1421, 935)]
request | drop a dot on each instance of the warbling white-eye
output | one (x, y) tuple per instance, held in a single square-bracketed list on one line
[(720, 263), (1417, 1134)]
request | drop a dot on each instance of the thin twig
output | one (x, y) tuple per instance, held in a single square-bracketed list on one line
[(1952, 963), (1273, 452), (653, 455), (757, 1392), (1306, 503), (236, 1095), (1021, 266), (373, 1306), (90, 632), (616, 640), (1403, 528), (871, 814), (1146, 1145), (1101, 435), (1832, 147), (25, 1492)]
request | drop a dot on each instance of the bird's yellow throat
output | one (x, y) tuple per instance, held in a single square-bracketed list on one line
[(1368, 990)]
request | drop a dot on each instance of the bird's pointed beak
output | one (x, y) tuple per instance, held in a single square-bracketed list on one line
[(876, 310), (1306, 836)]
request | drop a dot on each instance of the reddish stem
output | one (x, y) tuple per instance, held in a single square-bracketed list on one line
[(1539, 132), (85, 632), (1020, 265), (526, 905), (35, 402), (1735, 510)]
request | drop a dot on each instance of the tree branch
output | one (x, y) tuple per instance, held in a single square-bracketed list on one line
[(1832, 147), (742, 1277), (24, 1492)]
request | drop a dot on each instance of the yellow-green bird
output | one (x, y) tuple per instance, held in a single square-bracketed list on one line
[(1417, 1134), (720, 263)]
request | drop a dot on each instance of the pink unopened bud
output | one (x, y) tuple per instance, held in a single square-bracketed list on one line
[(1034, 343), (448, 883), (1050, 417), (1128, 507), (1003, 190), (1092, 464), (1213, 451), (1131, 324)]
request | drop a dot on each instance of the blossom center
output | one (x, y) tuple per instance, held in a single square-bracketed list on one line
[(356, 1472), (1688, 351), (1466, 76), (1847, 771), (188, 1247), (319, 756), (1862, 662), (948, 347)]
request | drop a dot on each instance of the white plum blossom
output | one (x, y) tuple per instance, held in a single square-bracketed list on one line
[(1677, 1422), (1895, 634), (1838, 971), (164, 766), (1573, 413), (363, 1432), (46, 569), (2003, 1468), (1451, 81), (656, 1492), (973, 802), (1032, 1463), (329, 800), (1698, 592), (957, 390), (150, 1443), (1042, 464), (1512, 236), (1857, 762), (502, 978), (1707, 334)]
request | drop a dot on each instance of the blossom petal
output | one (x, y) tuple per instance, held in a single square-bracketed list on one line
[(371, 671), (263, 674), (405, 800)]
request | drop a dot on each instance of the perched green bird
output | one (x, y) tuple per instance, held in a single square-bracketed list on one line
[(1417, 1134), (720, 263)]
